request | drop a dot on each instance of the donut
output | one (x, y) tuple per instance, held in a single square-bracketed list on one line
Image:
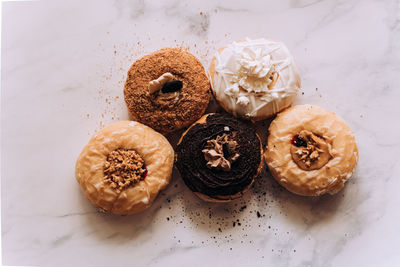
[(167, 90), (254, 79), (310, 151), (124, 166), (219, 157)]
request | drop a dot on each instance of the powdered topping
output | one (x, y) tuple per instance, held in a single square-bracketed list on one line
[(309, 151), (221, 152), (124, 167)]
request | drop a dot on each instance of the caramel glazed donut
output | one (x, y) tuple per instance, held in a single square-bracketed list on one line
[(310, 151), (219, 157), (167, 90), (124, 166)]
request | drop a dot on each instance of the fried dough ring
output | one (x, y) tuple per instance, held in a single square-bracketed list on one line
[(153, 147)]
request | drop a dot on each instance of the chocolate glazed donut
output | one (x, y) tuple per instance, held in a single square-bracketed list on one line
[(216, 183)]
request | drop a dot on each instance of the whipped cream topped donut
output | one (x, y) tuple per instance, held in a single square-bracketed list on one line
[(254, 79)]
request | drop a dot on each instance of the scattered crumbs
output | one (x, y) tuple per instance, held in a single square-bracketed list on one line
[(167, 218), (242, 208), (258, 214), (219, 229)]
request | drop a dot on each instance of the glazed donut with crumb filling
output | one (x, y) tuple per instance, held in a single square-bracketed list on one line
[(124, 166), (310, 151)]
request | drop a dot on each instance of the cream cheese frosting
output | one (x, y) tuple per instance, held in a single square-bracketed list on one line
[(255, 78)]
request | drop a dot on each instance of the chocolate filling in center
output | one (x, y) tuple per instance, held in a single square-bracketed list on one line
[(213, 181)]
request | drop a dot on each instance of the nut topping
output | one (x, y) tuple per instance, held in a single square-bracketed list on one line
[(124, 167), (309, 151), (157, 84)]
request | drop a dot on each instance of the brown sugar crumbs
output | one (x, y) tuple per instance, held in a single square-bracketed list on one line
[(124, 167)]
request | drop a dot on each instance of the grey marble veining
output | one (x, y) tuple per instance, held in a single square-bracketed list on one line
[(64, 65)]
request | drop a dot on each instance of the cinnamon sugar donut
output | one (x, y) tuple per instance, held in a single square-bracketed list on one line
[(167, 90), (310, 151), (124, 166)]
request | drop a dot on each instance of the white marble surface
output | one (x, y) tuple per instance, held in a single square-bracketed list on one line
[(63, 68)]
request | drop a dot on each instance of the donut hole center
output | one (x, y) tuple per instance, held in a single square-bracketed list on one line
[(124, 168), (310, 151), (165, 89)]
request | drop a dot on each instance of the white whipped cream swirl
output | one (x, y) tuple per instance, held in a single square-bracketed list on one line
[(255, 79)]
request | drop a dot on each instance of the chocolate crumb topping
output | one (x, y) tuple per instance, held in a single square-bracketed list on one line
[(124, 167), (192, 164)]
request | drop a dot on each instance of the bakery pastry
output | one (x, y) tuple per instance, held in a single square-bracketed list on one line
[(219, 157), (167, 90), (254, 79), (124, 166), (310, 151)]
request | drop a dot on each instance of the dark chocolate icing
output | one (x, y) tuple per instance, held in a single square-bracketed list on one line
[(192, 165)]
